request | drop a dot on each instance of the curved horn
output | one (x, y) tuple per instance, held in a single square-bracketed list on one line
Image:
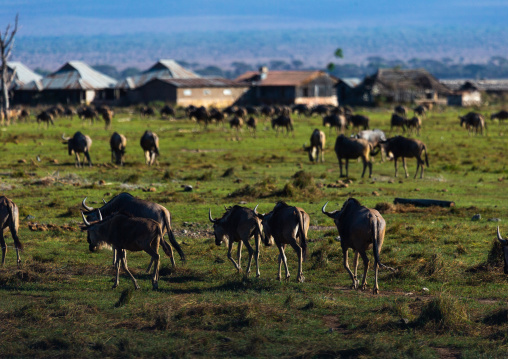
[(329, 214), (85, 206), (103, 200), (65, 138), (255, 209), (504, 242), (100, 215), (210, 216), (84, 219), (226, 208)]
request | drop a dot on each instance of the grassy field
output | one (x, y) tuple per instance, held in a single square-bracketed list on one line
[(448, 298)]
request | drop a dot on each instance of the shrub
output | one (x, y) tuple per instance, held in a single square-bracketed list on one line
[(445, 312)]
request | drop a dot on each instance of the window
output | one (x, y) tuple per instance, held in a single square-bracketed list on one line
[(207, 92), (187, 92), (227, 92)]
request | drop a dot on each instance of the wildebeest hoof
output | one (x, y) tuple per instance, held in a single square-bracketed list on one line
[(155, 286), (364, 286), (301, 279), (258, 275), (114, 286), (136, 286), (375, 291)]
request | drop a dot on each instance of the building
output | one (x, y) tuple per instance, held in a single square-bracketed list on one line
[(162, 70), (396, 86), (206, 92), (73, 83), (288, 87), (22, 76), (466, 95)]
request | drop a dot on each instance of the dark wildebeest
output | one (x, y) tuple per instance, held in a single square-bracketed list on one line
[(504, 243), (401, 110), (406, 148), (397, 121), (252, 124), (317, 145), (352, 148), (284, 224), (107, 115), (241, 112), (117, 143), (200, 114), (24, 115), (251, 110), (147, 111), (358, 121), (167, 111), (375, 137), (45, 116), (236, 122), (501, 115), (267, 111), (150, 145), (238, 224), (301, 109), (125, 233), (413, 124), (337, 121), (137, 207), (322, 110), (89, 113), (216, 115), (79, 143), (9, 217), (473, 122), (360, 228), (420, 111), (69, 112), (282, 121)]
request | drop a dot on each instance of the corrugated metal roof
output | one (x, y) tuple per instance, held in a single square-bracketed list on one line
[(23, 74), (163, 69), (351, 81), (482, 85), (203, 82), (280, 78), (74, 75)]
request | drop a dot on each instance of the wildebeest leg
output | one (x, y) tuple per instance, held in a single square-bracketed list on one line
[(147, 157), (4, 247), (347, 167), (396, 167), (340, 166), (117, 266), (87, 155), (365, 269), (251, 254), (355, 266), (124, 265), (239, 255), (257, 238), (346, 265), (230, 257), (156, 259), (418, 164), (14, 235), (364, 161), (300, 278), (283, 259), (405, 167), (77, 160)]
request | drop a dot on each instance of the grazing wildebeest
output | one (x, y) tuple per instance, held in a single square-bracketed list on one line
[(79, 143), (401, 110), (420, 111), (216, 115), (45, 116), (406, 148), (107, 115), (501, 115), (301, 109), (200, 114), (88, 113), (352, 148), (322, 110), (473, 122), (360, 228), (69, 112), (9, 217), (504, 242), (284, 224), (413, 124), (252, 124), (238, 224), (282, 121), (397, 121), (150, 145), (241, 112), (358, 121), (125, 233), (267, 111), (147, 111), (317, 145), (375, 137), (118, 143), (137, 207), (236, 122), (167, 111), (335, 120)]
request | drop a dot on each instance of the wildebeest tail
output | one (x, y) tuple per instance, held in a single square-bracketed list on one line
[(426, 157), (172, 240), (14, 225), (376, 229), (303, 239)]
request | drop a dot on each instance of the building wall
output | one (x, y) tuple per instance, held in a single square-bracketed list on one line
[(312, 101), (465, 99), (209, 96)]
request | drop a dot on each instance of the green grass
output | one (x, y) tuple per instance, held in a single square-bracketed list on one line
[(60, 302)]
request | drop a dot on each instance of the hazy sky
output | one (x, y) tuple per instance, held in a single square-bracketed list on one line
[(69, 17)]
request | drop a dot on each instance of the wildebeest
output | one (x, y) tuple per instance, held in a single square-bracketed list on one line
[(9, 217), (122, 233), (413, 124), (45, 116), (69, 112), (252, 124), (317, 145), (358, 121), (240, 112), (322, 110), (504, 243), (397, 121), (420, 111), (501, 115), (401, 110), (150, 145), (335, 120), (352, 148), (300, 109), (406, 147), (216, 115), (79, 143), (24, 115), (107, 116), (251, 110), (117, 143), (238, 224), (88, 113), (473, 122), (167, 111), (284, 224), (147, 111), (360, 228), (282, 121), (200, 114), (236, 122), (267, 111), (137, 207), (375, 137)]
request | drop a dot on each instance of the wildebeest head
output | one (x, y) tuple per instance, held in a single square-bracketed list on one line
[(504, 242), (94, 237), (267, 235), (92, 214), (218, 228)]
